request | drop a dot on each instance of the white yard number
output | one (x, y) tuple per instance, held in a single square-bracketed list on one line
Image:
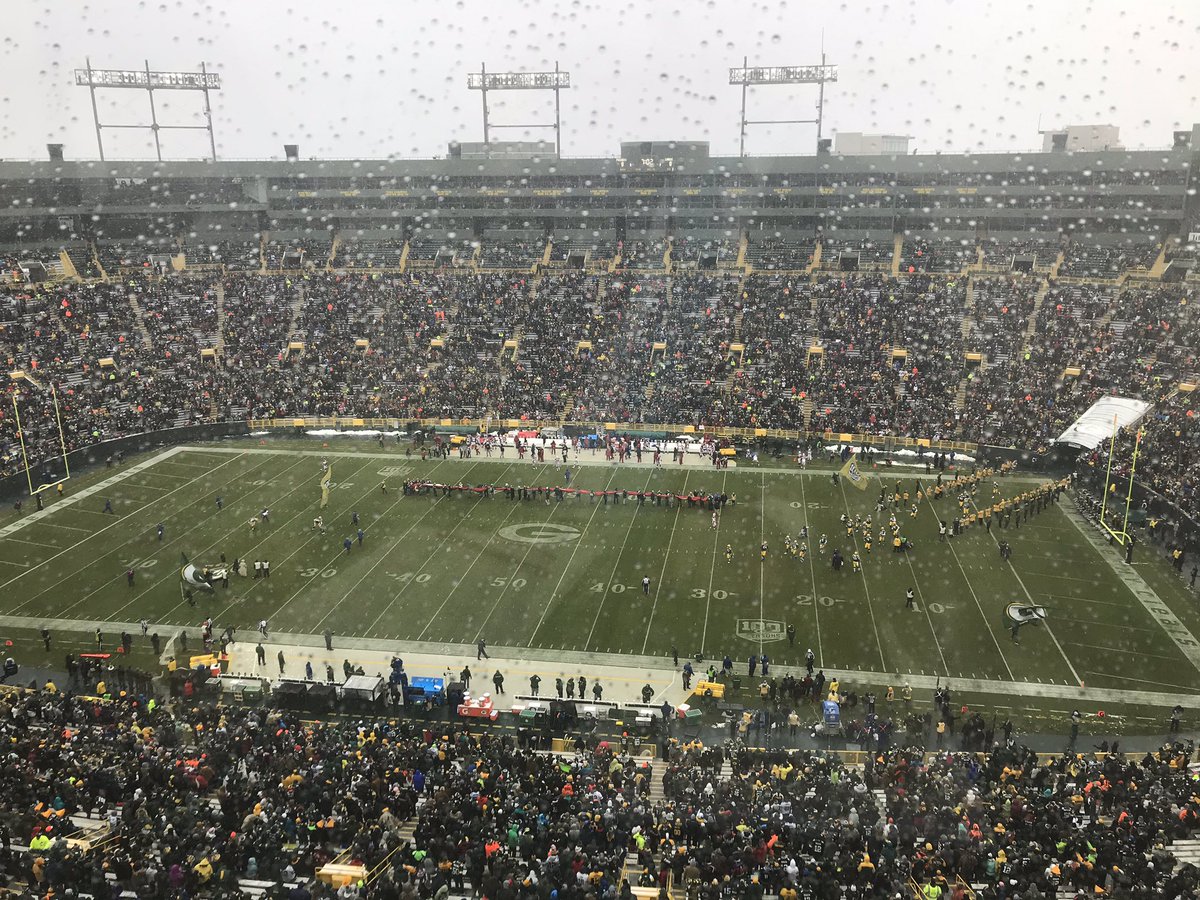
[(406, 577), (938, 608), (807, 600), (615, 587), (701, 593), (313, 573), (143, 564), (796, 504), (517, 583)]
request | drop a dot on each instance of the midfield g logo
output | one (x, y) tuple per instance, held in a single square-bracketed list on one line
[(540, 533)]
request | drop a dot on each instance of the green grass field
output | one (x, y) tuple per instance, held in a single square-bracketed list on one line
[(568, 575)]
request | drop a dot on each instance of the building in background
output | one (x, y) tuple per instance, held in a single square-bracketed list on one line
[(855, 143), (1084, 138)]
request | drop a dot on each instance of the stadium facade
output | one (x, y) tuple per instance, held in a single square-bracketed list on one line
[(1123, 198)]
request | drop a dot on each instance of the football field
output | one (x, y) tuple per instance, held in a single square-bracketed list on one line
[(569, 575)]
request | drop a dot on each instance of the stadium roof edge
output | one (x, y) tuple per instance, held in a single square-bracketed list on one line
[(365, 168)]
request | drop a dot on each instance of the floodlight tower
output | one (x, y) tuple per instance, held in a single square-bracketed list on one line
[(764, 75), (484, 81), (148, 81)]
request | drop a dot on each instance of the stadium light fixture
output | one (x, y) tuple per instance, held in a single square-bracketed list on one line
[(148, 81), (557, 81), (757, 76)]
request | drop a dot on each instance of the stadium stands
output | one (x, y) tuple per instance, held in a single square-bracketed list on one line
[(736, 350), (104, 797), (777, 253)]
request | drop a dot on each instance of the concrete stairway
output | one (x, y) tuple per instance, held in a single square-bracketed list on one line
[(147, 343)]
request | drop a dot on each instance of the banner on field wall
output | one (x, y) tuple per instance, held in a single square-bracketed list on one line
[(325, 480)]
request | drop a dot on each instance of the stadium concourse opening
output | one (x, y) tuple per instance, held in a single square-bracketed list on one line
[(507, 524)]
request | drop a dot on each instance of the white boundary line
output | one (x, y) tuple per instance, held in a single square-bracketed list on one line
[(970, 587), (867, 590), (566, 568), (663, 571), (341, 550), (1029, 597), (812, 571), (712, 571), (514, 505), (1146, 595), (613, 574), (97, 488)]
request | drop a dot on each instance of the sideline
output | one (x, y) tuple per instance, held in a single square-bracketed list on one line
[(452, 656)]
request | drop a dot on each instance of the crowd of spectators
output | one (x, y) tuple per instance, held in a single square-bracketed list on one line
[(800, 823), (777, 253), (192, 799), (1084, 260)]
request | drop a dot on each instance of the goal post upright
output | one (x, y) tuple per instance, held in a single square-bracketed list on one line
[(1122, 537), (21, 438), (62, 437), (1112, 448)]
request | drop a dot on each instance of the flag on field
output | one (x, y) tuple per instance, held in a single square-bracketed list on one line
[(325, 480), (851, 473)]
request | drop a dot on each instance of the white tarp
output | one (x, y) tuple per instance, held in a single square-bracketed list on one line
[(1096, 425)]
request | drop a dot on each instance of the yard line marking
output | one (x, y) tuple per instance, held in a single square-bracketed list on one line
[(628, 531), (929, 618), (1153, 604), (421, 568), (812, 571), (147, 487), (117, 577), (83, 494), (1029, 597), (571, 559), (67, 527), (762, 560), (1130, 652), (1057, 575), (513, 507), (437, 501), (512, 578), (1096, 623), (712, 571), (663, 571), (970, 587), (867, 590), (275, 501), (113, 525), (1125, 677), (31, 543), (1082, 599)]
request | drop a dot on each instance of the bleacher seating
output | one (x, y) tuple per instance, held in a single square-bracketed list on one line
[(892, 357), (774, 253)]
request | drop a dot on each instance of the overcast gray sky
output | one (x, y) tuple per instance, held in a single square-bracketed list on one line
[(377, 78)]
